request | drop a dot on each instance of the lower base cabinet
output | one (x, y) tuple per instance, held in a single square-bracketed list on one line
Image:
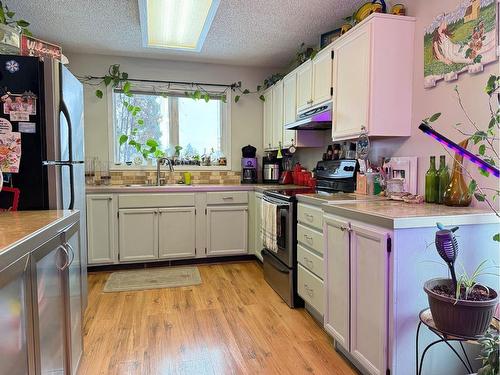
[(227, 228), (41, 309), (357, 299), (138, 233), (177, 232)]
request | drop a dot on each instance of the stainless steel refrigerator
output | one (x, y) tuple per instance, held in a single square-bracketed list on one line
[(51, 171)]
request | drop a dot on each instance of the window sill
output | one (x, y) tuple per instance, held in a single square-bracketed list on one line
[(177, 168)]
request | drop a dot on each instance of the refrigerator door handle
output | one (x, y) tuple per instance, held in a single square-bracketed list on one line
[(61, 162), (64, 110), (70, 165)]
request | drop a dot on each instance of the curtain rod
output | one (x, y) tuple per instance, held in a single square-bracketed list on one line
[(172, 82)]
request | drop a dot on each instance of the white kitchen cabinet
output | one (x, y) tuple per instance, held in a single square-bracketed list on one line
[(268, 119), (373, 77), (138, 234), (227, 230), (337, 280), (369, 297), (277, 132), (102, 229), (356, 279), (322, 76), (351, 82), (177, 233), (289, 107), (259, 242), (304, 86)]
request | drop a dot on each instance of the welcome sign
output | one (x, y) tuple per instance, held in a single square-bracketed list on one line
[(35, 47)]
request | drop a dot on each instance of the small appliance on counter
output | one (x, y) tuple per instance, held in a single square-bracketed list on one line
[(271, 169), (287, 174), (248, 165)]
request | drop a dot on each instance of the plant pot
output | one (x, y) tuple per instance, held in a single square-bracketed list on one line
[(461, 318), (10, 39)]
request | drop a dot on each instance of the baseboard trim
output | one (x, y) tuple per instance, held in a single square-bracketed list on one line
[(169, 263)]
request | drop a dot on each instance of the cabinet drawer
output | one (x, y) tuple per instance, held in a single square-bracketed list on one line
[(310, 261), (311, 216), (227, 197), (156, 200), (310, 288), (310, 238)]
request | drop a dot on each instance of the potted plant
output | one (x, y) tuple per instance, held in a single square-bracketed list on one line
[(11, 30), (462, 306), (489, 354)]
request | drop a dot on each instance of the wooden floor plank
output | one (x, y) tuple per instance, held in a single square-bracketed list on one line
[(232, 323)]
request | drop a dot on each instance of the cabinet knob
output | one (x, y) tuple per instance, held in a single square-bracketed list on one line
[(344, 229)]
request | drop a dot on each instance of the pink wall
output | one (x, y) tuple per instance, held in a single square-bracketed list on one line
[(441, 98)]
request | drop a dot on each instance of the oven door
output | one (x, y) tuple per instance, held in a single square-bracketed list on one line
[(279, 277), (284, 230)]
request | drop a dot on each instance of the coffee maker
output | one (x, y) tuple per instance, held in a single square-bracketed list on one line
[(271, 169), (248, 165)]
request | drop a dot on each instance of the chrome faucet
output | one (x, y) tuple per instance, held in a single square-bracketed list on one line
[(159, 163)]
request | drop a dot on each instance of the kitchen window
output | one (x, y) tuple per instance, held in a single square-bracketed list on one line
[(199, 127)]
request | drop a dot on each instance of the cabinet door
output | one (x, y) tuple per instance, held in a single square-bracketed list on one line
[(16, 349), (49, 282), (75, 305), (268, 119), (369, 297), (177, 232), (101, 229), (304, 86), (277, 114), (227, 230), (138, 234), (289, 107), (322, 76), (259, 243), (351, 83), (336, 279)]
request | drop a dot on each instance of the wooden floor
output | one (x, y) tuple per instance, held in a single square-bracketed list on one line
[(233, 323)]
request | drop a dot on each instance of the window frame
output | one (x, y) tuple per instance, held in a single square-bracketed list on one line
[(225, 132)]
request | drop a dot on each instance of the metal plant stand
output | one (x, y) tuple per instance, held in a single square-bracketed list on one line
[(426, 319)]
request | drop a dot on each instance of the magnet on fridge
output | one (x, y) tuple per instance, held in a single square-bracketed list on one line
[(12, 66)]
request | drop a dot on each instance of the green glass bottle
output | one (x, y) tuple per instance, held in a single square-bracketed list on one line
[(443, 178), (431, 183)]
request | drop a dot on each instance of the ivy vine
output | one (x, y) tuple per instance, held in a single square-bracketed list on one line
[(7, 18)]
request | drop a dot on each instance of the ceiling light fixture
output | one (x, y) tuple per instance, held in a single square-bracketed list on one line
[(176, 24)]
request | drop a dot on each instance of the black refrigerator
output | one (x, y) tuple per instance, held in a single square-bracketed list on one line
[(51, 171)]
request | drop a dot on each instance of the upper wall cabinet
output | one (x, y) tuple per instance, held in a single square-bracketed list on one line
[(278, 129), (268, 118), (314, 80), (372, 78), (289, 107)]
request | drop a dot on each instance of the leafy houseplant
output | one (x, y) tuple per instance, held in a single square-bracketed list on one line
[(485, 141), (489, 354), (10, 30), (464, 309)]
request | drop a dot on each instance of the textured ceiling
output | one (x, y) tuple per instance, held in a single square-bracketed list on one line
[(244, 32)]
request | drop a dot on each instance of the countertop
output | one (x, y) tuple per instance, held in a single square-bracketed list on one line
[(400, 215), (26, 228), (175, 188), (320, 198)]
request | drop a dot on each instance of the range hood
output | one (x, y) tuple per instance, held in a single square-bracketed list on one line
[(318, 118)]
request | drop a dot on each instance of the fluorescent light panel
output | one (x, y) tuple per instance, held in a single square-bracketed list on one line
[(176, 24)]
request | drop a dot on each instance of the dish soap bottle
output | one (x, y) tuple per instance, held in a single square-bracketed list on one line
[(431, 183), (443, 178)]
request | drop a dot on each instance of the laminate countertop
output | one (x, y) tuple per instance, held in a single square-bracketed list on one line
[(338, 198), (176, 188), (400, 215), (22, 231)]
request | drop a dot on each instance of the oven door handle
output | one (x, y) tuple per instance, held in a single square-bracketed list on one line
[(276, 202), (266, 255)]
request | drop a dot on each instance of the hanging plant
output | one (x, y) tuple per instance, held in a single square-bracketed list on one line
[(7, 18)]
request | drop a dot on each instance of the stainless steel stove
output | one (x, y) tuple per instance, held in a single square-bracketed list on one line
[(280, 268)]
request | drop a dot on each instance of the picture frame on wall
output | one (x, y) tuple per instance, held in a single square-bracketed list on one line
[(460, 40), (329, 37)]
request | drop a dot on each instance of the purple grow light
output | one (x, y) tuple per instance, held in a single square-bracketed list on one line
[(462, 151)]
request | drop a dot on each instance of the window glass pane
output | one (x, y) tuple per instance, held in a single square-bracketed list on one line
[(154, 112), (199, 125), (195, 125)]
